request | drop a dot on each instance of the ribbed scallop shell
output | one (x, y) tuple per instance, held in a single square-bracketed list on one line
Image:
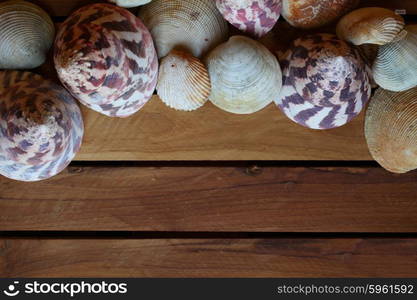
[(26, 35), (395, 67), (195, 26), (256, 17), (184, 82), (130, 3), (106, 58), (41, 127), (308, 14), (245, 76), (371, 25), (325, 82), (391, 129)]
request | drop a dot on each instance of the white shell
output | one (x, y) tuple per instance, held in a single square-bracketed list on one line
[(395, 68), (26, 35), (130, 3), (195, 26), (391, 129), (371, 25), (245, 76), (183, 82)]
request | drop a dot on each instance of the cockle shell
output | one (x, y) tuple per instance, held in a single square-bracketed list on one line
[(325, 82), (371, 25), (130, 3), (195, 26), (395, 67), (391, 129), (105, 57), (245, 76), (26, 35), (308, 14), (256, 17), (41, 127), (184, 82)]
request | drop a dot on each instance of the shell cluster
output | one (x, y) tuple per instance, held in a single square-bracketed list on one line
[(106, 58), (26, 35), (41, 128)]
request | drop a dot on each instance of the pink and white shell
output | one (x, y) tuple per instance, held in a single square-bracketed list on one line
[(41, 127), (255, 17), (106, 58)]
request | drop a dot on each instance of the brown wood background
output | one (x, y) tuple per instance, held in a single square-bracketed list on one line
[(210, 194)]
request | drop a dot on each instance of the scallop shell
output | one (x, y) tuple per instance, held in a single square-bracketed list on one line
[(371, 25), (245, 76), (195, 26), (183, 83), (130, 3), (391, 129), (26, 35), (325, 82), (106, 58), (309, 14), (41, 127), (256, 17), (395, 67)]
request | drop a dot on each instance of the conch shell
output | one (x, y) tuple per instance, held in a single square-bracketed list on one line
[(195, 26), (26, 35), (391, 129), (245, 76)]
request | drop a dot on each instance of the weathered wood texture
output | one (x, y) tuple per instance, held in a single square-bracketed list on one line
[(270, 199), (209, 258)]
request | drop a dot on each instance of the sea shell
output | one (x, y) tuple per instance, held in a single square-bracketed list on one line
[(245, 76), (309, 14), (41, 127), (371, 25), (195, 26), (256, 17), (184, 82), (26, 35), (130, 3), (391, 129), (325, 82), (395, 67), (105, 57)]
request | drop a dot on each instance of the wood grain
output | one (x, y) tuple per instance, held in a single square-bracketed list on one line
[(269, 199), (209, 258)]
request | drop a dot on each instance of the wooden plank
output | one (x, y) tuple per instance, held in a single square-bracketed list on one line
[(209, 258), (270, 199)]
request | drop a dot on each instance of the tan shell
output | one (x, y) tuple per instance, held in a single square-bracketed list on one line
[(395, 67), (129, 3), (308, 14), (26, 35), (195, 26), (245, 76), (391, 129), (183, 82), (371, 25)]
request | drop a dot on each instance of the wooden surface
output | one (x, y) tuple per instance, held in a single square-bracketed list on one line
[(269, 199)]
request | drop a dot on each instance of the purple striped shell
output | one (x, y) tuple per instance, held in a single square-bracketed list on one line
[(325, 83), (41, 127), (106, 58), (256, 17)]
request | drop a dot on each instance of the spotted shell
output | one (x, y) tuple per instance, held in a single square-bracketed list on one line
[(184, 82), (309, 14), (245, 76), (41, 127), (195, 26), (26, 35), (105, 57), (256, 17), (395, 67), (130, 3), (371, 25), (391, 129), (325, 82)]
